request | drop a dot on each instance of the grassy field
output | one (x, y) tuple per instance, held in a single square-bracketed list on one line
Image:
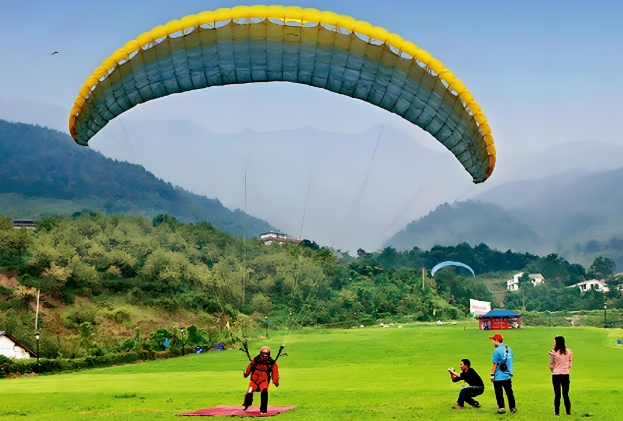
[(362, 374)]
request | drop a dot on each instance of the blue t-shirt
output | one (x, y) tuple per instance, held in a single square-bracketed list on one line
[(500, 356)]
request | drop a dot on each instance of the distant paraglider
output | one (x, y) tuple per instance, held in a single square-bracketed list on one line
[(289, 44), (449, 263)]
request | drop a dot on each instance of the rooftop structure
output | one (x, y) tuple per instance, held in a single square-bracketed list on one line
[(599, 285), (24, 223), (277, 237), (513, 284), (11, 347)]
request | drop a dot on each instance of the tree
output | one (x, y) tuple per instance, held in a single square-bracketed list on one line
[(164, 218), (602, 268), (310, 244), (362, 254), (261, 304), (15, 241), (55, 277), (524, 280), (5, 223)]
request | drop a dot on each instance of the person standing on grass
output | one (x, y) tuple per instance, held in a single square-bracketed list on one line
[(502, 373), (469, 376), (262, 370), (560, 361)]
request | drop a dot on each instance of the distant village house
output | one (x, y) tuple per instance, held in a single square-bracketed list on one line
[(276, 237), (513, 284), (24, 223), (592, 284), (10, 347)]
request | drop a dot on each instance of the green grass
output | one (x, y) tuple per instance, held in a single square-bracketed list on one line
[(363, 374)]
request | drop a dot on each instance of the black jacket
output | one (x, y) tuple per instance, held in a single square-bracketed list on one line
[(470, 377)]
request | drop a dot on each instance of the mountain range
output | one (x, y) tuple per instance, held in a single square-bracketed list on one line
[(43, 171), (578, 215), (356, 190)]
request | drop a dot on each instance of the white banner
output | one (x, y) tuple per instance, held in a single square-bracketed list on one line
[(478, 308)]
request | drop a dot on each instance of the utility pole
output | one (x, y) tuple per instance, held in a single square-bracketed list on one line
[(423, 277), (37, 313)]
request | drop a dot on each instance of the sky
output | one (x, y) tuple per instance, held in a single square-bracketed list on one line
[(544, 72)]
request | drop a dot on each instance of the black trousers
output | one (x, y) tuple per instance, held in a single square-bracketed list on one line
[(248, 401), (506, 386), (561, 381), (467, 395)]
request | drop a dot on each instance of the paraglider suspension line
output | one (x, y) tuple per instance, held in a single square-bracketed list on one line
[(127, 137), (365, 183), (306, 201)]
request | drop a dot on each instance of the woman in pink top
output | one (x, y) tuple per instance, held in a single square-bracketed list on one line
[(560, 360)]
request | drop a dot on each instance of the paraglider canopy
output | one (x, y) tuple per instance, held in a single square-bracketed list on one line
[(289, 44), (449, 263)]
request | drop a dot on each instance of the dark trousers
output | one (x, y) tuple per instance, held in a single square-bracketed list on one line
[(561, 381), (248, 401), (507, 385), (467, 393)]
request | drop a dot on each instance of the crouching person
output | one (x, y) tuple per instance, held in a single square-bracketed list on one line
[(469, 376), (262, 370)]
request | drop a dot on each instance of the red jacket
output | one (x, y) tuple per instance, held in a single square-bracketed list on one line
[(261, 373)]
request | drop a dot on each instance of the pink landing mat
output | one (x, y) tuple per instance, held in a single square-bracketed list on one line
[(236, 411)]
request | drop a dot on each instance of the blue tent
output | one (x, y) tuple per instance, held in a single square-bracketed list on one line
[(500, 313)]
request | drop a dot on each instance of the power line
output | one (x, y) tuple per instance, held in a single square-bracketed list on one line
[(364, 185)]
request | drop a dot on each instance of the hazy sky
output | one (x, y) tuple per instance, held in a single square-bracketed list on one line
[(544, 72)]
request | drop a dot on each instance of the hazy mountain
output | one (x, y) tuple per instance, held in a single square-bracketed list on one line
[(471, 222), (346, 190), (577, 215), (562, 159), (46, 169), (567, 208)]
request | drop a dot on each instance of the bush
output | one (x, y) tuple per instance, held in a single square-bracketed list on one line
[(57, 365)]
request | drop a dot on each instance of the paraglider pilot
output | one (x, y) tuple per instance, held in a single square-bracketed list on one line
[(262, 370)]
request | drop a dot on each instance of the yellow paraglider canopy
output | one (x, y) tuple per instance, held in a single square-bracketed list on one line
[(249, 44)]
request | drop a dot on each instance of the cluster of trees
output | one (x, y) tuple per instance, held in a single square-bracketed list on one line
[(481, 258), (172, 266), (555, 295)]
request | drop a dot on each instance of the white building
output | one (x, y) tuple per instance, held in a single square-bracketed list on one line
[(592, 284), (24, 223), (513, 284), (10, 347), (272, 236)]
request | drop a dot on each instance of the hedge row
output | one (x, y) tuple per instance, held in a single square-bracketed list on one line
[(55, 365)]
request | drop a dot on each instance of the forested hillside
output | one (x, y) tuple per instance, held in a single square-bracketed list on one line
[(109, 271), (44, 171), (102, 277)]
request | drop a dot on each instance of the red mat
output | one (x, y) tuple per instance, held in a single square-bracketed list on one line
[(236, 411)]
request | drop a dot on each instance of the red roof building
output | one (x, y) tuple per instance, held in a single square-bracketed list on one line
[(272, 236)]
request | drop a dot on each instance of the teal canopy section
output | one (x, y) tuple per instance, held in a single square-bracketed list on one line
[(266, 51)]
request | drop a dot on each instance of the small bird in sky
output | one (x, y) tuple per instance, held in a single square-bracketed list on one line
[(55, 52)]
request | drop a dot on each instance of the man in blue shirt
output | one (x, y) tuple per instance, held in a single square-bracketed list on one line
[(502, 373)]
